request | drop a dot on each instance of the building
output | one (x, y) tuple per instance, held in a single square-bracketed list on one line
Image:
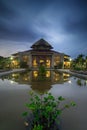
[(41, 53)]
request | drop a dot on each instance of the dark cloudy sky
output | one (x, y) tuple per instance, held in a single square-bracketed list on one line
[(63, 23)]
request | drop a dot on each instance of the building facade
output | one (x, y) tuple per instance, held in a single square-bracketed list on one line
[(41, 53)]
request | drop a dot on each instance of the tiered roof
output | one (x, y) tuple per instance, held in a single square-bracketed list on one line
[(41, 44)]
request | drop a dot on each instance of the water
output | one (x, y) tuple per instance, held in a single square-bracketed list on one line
[(14, 93)]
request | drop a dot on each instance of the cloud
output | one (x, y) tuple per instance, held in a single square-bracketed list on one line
[(61, 23), (9, 47)]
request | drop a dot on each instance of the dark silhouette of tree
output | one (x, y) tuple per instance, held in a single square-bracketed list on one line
[(86, 62)]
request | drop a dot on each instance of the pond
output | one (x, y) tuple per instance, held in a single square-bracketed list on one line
[(14, 93)]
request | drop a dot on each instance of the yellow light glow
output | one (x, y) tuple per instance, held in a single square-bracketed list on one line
[(48, 63), (13, 75), (35, 73), (48, 74), (25, 78), (66, 75), (56, 79), (41, 61), (34, 62)]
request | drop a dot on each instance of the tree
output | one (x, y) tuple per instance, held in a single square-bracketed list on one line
[(86, 62), (79, 62)]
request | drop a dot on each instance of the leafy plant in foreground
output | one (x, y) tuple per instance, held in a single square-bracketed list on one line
[(45, 110)]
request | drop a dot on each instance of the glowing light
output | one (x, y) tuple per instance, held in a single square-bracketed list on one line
[(69, 81), (70, 59), (11, 82), (41, 61), (11, 57), (56, 79), (13, 75), (35, 73), (25, 78), (48, 63), (48, 74), (66, 75), (34, 62)]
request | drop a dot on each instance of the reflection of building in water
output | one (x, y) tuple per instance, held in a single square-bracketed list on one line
[(66, 76), (41, 52), (41, 84)]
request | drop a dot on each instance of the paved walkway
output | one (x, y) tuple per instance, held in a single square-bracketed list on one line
[(11, 71), (84, 76)]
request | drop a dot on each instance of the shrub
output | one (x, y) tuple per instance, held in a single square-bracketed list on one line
[(23, 64), (46, 110), (42, 70)]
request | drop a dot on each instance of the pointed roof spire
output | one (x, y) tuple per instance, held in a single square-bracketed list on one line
[(41, 44)]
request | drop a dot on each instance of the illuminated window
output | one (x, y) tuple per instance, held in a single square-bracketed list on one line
[(41, 61), (48, 63), (34, 62)]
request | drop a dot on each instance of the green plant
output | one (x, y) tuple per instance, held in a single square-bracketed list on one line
[(23, 64), (79, 82), (38, 127), (42, 70), (46, 110)]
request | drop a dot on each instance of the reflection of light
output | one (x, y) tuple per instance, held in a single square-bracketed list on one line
[(13, 75), (48, 74), (86, 81), (11, 82), (56, 79), (25, 78), (69, 81), (35, 73), (67, 75)]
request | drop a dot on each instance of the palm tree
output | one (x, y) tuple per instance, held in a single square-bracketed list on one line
[(80, 60)]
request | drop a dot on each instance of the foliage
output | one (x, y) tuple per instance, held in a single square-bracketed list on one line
[(42, 70), (46, 109), (5, 63), (79, 82), (23, 64), (80, 63), (38, 127)]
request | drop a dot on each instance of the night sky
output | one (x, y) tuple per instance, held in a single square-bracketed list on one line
[(63, 23)]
